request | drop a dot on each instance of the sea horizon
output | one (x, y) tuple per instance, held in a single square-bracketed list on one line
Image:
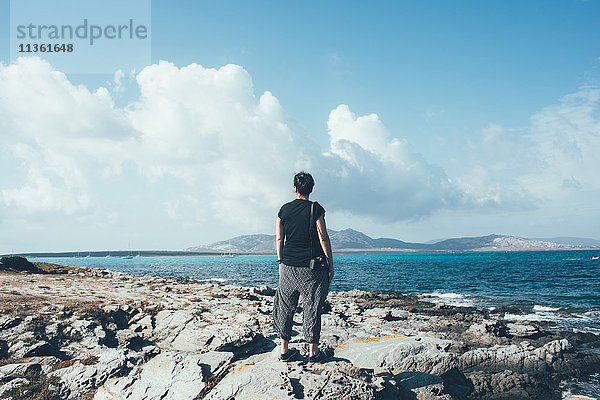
[(347, 251)]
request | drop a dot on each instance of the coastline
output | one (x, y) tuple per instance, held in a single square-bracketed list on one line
[(97, 333), (341, 251)]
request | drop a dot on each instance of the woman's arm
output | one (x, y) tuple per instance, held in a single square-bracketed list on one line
[(279, 238), (325, 243)]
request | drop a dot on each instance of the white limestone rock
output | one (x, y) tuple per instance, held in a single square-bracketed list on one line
[(79, 378), (168, 376), (260, 376), (184, 331), (400, 353), (264, 376), (523, 358), (12, 384), (522, 330)]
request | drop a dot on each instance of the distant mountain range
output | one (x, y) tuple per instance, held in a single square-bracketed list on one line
[(350, 240)]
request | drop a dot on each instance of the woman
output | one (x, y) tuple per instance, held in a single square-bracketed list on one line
[(299, 239)]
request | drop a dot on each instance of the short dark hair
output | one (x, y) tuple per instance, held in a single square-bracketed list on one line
[(304, 182)]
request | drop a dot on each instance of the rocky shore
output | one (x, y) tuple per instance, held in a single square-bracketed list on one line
[(97, 334)]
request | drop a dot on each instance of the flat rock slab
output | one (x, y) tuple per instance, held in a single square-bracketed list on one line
[(522, 330), (265, 377), (399, 353), (181, 330), (80, 378), (168, 376), (522, 358), (11, 385), (261, 376)]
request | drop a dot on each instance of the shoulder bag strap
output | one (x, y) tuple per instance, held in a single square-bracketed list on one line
[(310, 232)]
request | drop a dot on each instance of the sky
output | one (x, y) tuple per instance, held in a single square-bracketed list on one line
[(418, 120)]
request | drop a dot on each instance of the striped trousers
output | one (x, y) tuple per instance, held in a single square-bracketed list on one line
[(312, 286)]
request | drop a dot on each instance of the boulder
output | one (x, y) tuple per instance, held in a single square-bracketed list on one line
[(486, 332), (39, 348), (522, 330), (130, 339), (264, 291), (11, 385), (100, 333), (183, 331), (422, 385), (85, 329), (31, 367), (142, 324), (378, 312), (338, 380), (510, 385), (53, 330), (522, 358), (7, 322), (399, 353), (91, 372), (168, 376)]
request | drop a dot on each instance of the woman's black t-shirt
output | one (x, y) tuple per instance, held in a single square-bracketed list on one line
[(296, 247)]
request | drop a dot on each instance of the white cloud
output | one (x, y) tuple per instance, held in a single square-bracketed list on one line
[(200, 147), (203, 128), (374, 174), (206, 128), (431, 113), (60, 132), (39, 194), (228, 153), (554, 157), (117, 84), (565, 145)]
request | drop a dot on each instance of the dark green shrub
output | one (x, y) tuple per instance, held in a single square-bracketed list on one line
[(16, 263)]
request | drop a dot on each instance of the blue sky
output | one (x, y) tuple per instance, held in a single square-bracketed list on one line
[(486, 120), (398, 59)]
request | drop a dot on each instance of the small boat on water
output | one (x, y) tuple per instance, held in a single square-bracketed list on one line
[(129, 255), (594, 257), (228, 253)]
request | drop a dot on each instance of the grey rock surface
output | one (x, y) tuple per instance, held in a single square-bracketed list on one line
[(263, 376), (522, 358), (522, 330), (81, 377), (168, 376), (508, 384), (399, 353), (184, 331), (12, 384), (118, 336), (259, 376)]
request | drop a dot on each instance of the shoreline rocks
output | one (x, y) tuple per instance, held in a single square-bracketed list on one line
[(112, 336)]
